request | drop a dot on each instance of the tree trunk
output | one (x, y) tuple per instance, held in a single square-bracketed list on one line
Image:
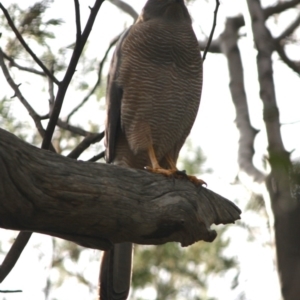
[(285, 208)]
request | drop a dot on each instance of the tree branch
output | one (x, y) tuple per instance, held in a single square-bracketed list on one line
[(229, 39), (264, 43), (98, 156), (69, 74), (73, 129), (24, 44), (51, 91), (12, 63), (213, 48), (279, 45), (14, 253), (108, 204), (126, 8), (279, 7), (290, 29), (78, 23), (294, 65), (212, 30), (99, 78), (15, 87), (85, 143)]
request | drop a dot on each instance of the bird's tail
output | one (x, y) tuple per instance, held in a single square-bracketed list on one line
[(115, 272)]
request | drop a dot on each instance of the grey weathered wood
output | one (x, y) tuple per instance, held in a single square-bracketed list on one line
[(96, 204)]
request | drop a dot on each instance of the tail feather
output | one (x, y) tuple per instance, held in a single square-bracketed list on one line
[(115, 272)]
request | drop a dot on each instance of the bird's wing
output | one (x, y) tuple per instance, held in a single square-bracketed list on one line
[(113, 100)]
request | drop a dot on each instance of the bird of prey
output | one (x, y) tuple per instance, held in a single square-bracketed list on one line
[(153, 95)]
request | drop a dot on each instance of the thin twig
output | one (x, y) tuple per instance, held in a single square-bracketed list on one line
[(97, 157), (14, 253), (78, 22), (73, 129), (51, 90), (290, 123), (99, 78), (290, 29), (44, 117), (69, 74), (12, 291), (24, 44), (213, 29), (294, 65), (18, 93), (279, 7), (12, 63), (85, 143)]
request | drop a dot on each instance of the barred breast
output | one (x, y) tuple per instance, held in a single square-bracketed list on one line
[(161, 78)]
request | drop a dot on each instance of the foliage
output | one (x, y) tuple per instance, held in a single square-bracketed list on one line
[(180, 273)]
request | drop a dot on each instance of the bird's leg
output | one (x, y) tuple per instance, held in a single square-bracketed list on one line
[(155, 167), (181, 174), (173, 171)]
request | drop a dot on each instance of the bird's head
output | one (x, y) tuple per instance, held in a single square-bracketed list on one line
[(169, 10)]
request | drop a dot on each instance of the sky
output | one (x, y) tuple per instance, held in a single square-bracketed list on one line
[(214, 131)]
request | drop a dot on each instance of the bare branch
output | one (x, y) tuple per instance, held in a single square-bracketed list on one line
[(99, 78), (294, 65), (69, 74), (12, 63), (213, 29), (51, 91), (290, 29), (14, 253), (85, 143), (264, 43), (213, 48), (98, 156), (78, 23), (18, 93), (24, 44), (73, 129), (229, 39), (240, 22), (279, 7), (101, 199), (279, 45), (126, 8)]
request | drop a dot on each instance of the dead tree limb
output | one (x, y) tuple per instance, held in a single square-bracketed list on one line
[(97, 205), (229, 45)]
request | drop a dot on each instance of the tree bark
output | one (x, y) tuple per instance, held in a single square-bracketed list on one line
[(97, 205)]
